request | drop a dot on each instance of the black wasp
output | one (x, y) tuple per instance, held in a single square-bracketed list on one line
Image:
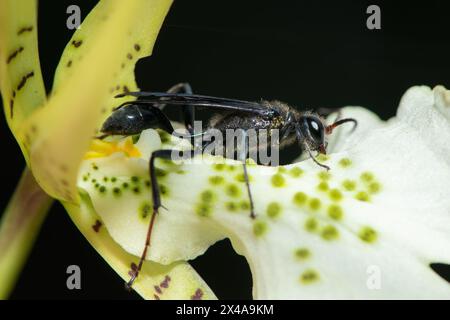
[(308, 129)]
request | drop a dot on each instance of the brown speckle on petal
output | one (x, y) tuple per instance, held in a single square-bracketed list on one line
[(158, 289), (11, 108), (165, 283), (197, 295), (97, 226), (24, 29), (77, 43), (24, 80), (13, 55)]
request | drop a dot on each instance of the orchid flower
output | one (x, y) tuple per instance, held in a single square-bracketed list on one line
[(368, 228)]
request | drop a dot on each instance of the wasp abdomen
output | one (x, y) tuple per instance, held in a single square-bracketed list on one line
[(134, 118)]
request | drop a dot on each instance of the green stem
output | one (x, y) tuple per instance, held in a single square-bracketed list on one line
[(19, 227)]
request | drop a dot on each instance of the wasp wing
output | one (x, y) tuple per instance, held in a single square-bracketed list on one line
[(199, 101)]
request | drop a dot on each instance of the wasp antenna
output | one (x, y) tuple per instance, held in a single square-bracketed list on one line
[(329, 129)]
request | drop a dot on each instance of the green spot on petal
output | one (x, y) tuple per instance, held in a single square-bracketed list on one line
[(309, 276), (240, 177), (314, 204), (300, 198), (207, 196), (144, 209), (324, 175), (233, 190), (259, 228), (322, 157), (136, 190), (349, 185), (117, 191), (329, 233), (203, 210), (335, 195), (295, 172), (335, 212), (282, 170), (323, 186), (278, 180), (245, 205), (134, 179), (160, 173), (367, 234), (302, 253), (216, 180), (219, 166), (231, 206), (273, 210), (362, 196), (345, 162), (367, 176), (311, 224), (164, 190), (374, 187)]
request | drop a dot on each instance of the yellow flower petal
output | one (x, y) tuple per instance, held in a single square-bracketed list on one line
[(156, 281), (21, 81), (60, 133)]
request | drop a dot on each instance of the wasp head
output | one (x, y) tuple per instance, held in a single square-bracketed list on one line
[(311, 131)]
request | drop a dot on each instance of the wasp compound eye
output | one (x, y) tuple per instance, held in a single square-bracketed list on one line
[(315, 129)]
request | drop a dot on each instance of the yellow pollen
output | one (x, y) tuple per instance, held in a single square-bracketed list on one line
[(100, 148)]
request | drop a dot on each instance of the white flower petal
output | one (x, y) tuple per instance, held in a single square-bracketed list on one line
[(369, 228)]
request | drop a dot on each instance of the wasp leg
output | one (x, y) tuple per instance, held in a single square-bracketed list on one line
[(188, 112), (156, 197), (247, 183), (315, 160), (304, 146), (243, 157)]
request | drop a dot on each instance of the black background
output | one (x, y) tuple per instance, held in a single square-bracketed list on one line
[(307, 53)]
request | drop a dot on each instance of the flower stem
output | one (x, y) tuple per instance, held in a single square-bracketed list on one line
[(19, 227)]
